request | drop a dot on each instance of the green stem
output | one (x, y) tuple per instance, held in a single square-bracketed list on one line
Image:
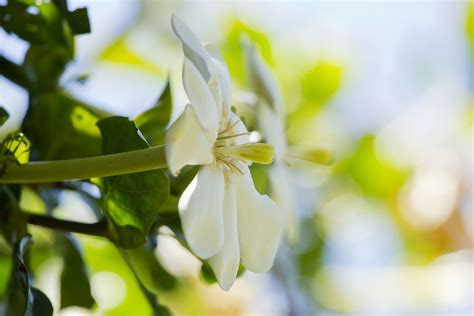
[(85, 168), (94, 229), (13, 72)]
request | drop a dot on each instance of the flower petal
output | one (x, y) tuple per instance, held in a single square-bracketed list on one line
[(201, 99), (201, 211), (192, 47), (187, 143), (273, 130), (282, 193), (225, 82), (262, 78), (225, 263), (260, 224)]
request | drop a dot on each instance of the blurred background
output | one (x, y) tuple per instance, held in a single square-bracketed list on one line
[(388, 229)]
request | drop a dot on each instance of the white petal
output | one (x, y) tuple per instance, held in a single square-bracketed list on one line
[(260, 225), (225, 263), (201, 99), (192, 47), (282, 193), (273, 130), (187, 143), (262, 78), (201, 212), (224, 80)]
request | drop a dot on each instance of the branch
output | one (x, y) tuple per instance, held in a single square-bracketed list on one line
[(85, 168), (95, 229)]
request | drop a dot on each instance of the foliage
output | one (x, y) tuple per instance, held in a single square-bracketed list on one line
[(129, 204)]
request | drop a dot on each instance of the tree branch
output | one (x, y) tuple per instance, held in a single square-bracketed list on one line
[(94, 229)]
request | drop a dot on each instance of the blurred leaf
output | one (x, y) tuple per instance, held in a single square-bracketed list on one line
[(321, 82), (37, 22), (75, 285), (44, 66), (22, 298), (470, 26), (375, 175), (158, 310), (73, 133), (233, 52), (78, 19), (41, 304), (5, 270), (149, 270), (119, 52), (3, 116), (130, 202), (153, 122)]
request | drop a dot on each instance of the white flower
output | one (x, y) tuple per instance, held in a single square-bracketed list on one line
[(224, 218), (271, 124)]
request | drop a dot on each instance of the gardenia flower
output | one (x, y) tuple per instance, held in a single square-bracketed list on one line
[(271, 124), (224, 218)]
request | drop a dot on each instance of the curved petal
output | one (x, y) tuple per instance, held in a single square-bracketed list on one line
[(225, 263), (192, 47), (201, 212), (260, 224), (273, 130), (225, 83), (187, 143), (262, 78), (201, 99), (283, 195)]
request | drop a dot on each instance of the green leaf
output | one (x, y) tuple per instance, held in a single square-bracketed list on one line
[(153, 122), (375, 175), (41, 304), (73, 133), (75, 285), (22, 298), (233, 52), (158, 309), (149, 269), (470, 26), (3, 116), (44, 66), (130, 202)]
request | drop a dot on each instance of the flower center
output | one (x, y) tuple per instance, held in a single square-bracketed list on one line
[(231, 154)]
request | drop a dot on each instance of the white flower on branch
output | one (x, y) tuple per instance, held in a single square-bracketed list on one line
[(271, 124), (224, 218)]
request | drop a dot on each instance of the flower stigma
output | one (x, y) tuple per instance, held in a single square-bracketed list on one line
[(229, 152)]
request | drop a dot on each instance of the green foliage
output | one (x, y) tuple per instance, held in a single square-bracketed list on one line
[(75, 286), (130, 202), (375, 175), (470, 26), (153, 122), (318, 85), (149, 269), (233, 52), (22, 298), (79, 136)]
